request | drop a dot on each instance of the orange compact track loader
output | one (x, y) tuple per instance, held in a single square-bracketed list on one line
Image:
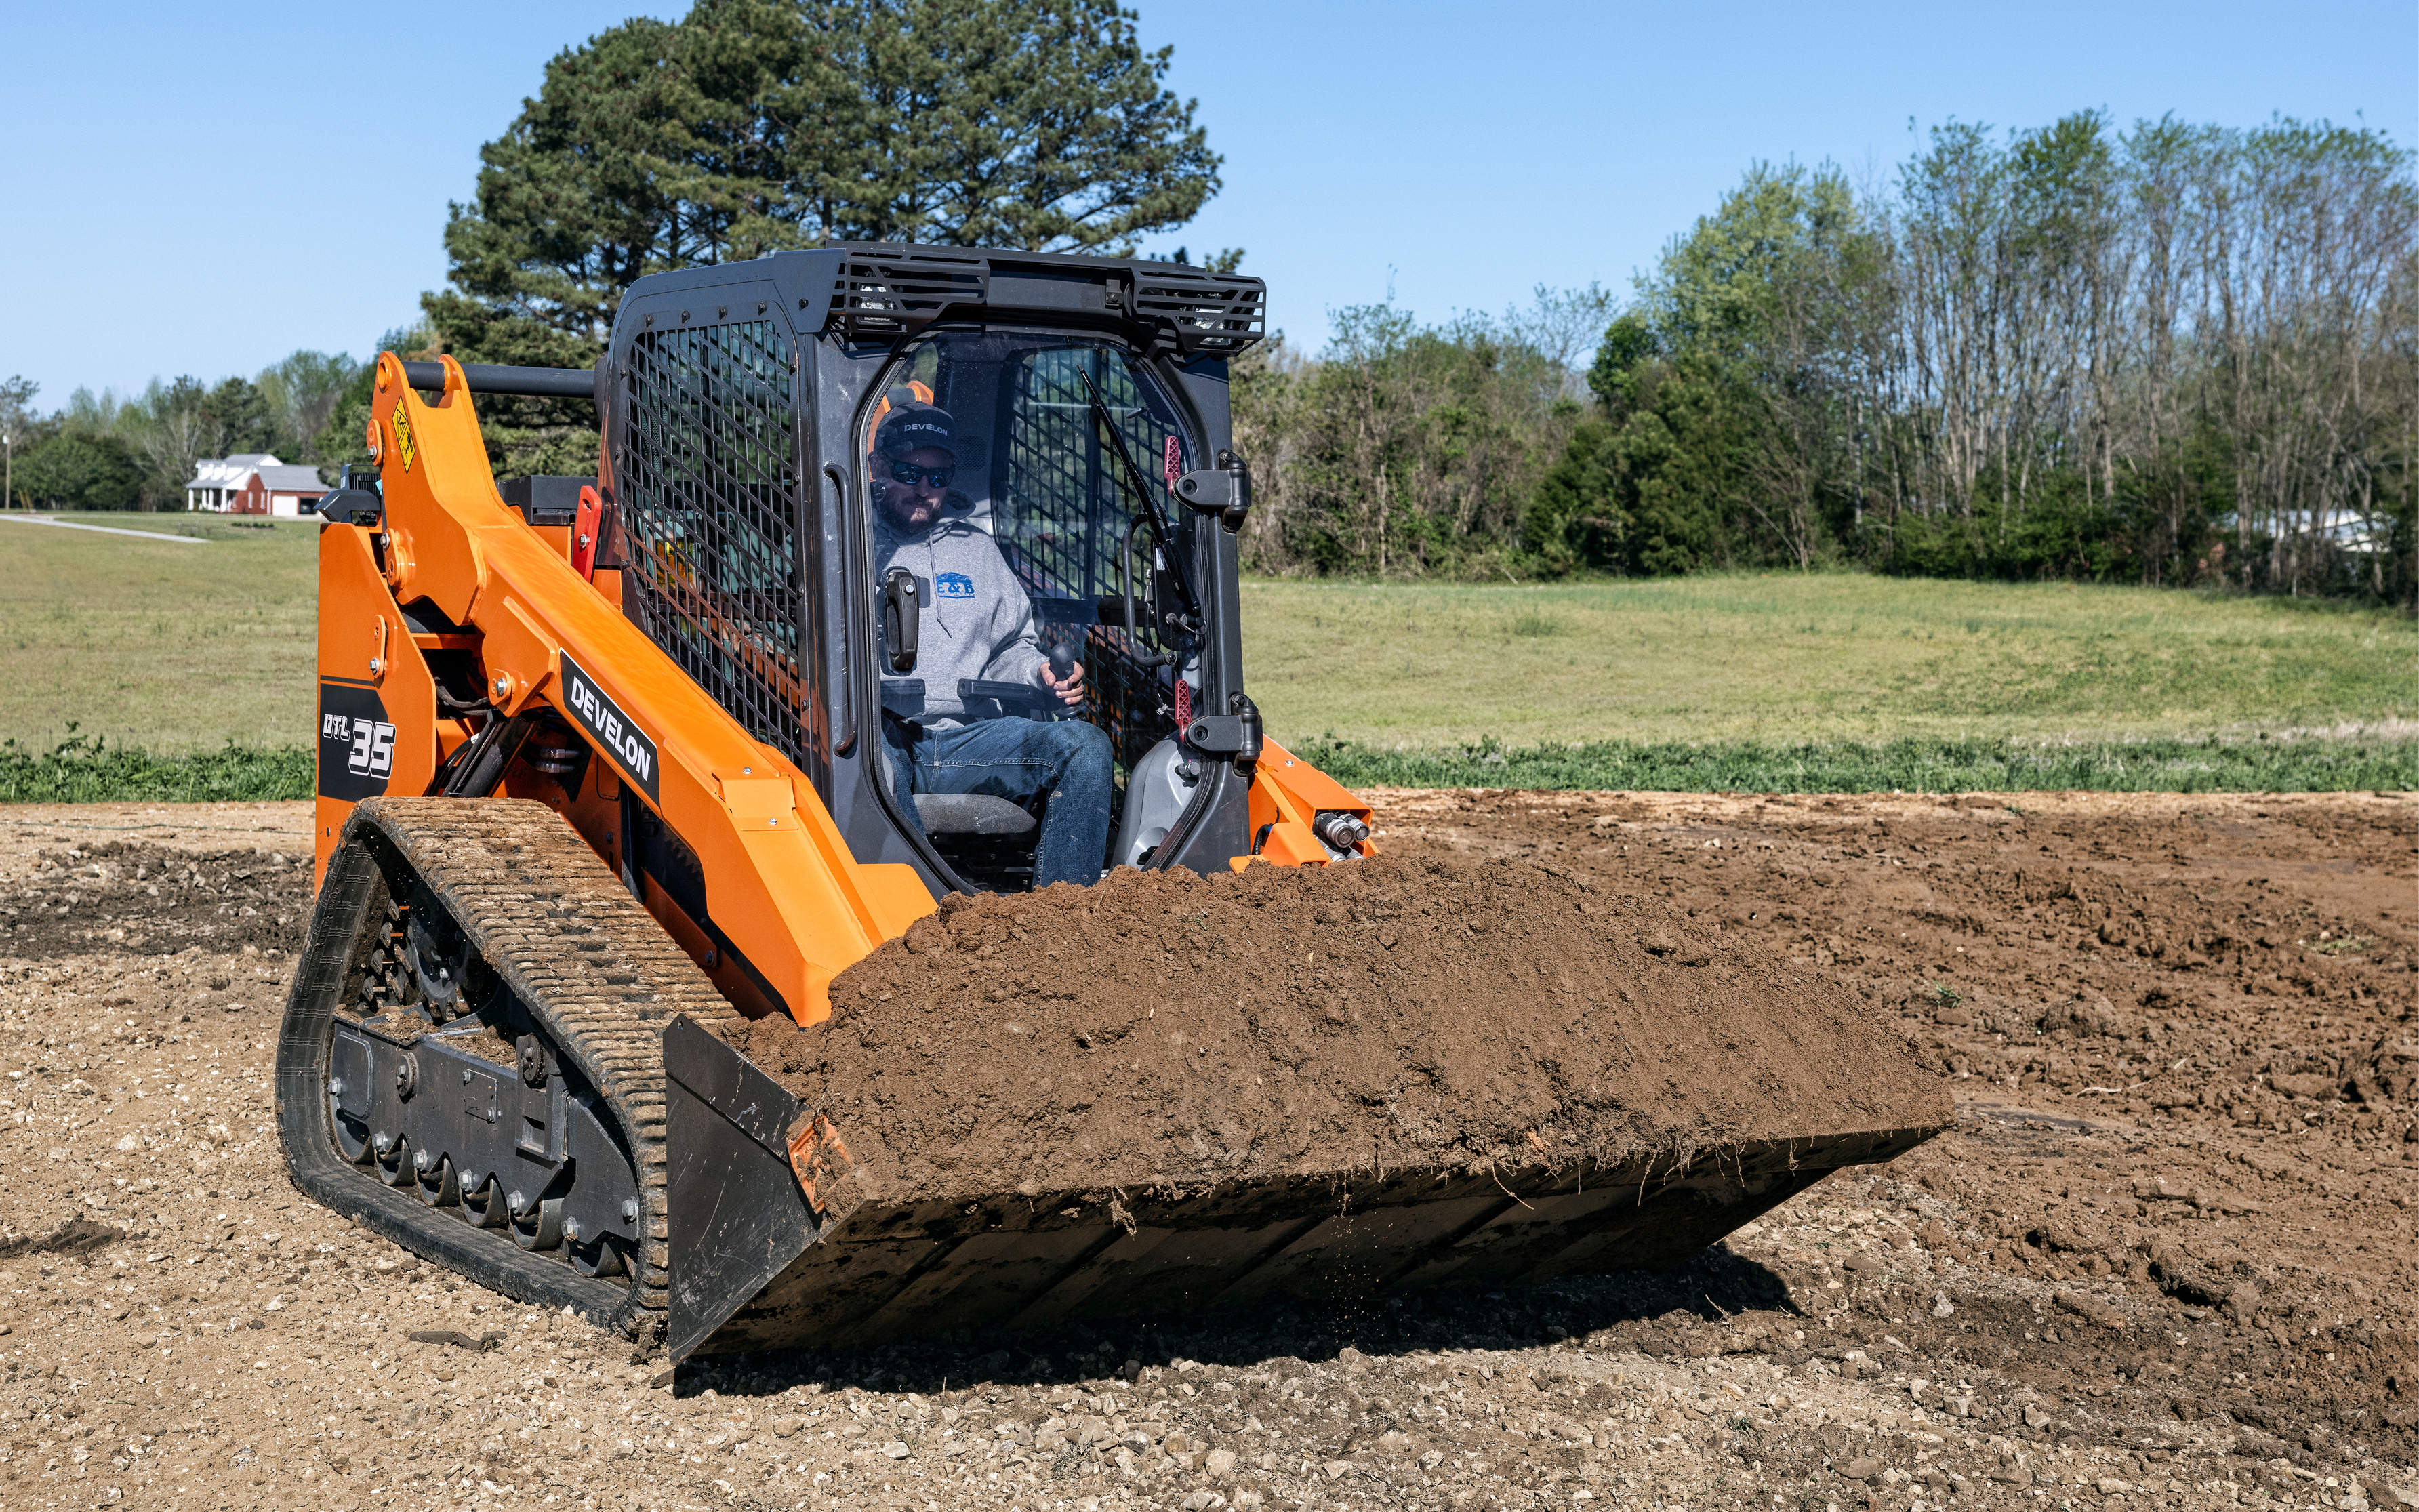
[(605, 762)]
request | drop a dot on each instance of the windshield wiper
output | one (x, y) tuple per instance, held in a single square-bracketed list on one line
[(1159, 526)]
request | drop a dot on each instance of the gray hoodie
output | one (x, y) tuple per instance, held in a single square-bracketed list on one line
[(977, 620)]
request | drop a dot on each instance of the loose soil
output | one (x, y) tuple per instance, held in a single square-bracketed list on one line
[(1158, 1031), (143, 880), (2116, 1282)]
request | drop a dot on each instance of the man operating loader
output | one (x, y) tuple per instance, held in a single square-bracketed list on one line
[(974, 622)]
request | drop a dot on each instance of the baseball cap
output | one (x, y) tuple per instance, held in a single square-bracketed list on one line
[(913, 424)]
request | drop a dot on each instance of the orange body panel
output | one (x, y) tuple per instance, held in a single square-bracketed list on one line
[(786, 892), (364, 644), (1287, 793)]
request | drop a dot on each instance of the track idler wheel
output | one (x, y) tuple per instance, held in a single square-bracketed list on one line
[(393, 1162), (539, 1223), (599, 1257), (434, 1177)]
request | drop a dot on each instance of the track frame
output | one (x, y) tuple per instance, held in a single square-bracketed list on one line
[(594, 972)]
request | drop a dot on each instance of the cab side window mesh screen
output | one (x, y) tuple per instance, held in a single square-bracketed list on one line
[(707, 474), (1062, 516)]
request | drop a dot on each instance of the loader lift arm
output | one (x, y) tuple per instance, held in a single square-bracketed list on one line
[(792, 907)]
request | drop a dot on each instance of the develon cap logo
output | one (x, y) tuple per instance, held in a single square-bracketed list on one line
[(602, 719)]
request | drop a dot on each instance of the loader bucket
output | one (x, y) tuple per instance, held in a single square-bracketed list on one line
[(771, 1249)]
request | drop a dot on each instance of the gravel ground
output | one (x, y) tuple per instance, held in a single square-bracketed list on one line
[(2088, 1294)]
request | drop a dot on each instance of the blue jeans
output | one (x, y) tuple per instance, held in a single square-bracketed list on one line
[(1066, 765)]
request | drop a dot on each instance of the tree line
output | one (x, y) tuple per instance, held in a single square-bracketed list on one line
[(1408, 449), (112, 451), (744, 128), (2169, 354)]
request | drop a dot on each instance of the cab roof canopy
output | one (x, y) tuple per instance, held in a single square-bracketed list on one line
[(880, 291)]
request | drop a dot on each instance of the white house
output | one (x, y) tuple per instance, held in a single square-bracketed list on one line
[(255, 482)]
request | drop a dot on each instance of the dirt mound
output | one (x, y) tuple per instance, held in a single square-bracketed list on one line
[(1162, 1031), (152, 900)]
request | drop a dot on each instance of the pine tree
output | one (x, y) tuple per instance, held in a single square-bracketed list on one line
[(755, 125), (768, 124)]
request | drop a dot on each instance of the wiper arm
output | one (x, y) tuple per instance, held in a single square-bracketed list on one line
[(1141, 495)]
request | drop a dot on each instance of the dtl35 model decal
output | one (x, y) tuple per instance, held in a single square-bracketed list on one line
[(355, 742)]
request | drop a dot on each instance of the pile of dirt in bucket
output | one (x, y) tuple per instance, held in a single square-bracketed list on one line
[(1167, 1030)]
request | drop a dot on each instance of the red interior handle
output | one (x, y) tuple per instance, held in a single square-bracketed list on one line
[(583, 532)]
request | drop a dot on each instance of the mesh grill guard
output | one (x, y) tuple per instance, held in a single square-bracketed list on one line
[(877, 295), (1205, 311), (706, 475)]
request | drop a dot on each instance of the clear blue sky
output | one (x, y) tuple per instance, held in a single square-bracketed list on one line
[(204, 189)]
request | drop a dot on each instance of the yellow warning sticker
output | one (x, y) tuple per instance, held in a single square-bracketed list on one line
[(403, 437)]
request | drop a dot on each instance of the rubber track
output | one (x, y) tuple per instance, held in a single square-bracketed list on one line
[(592, 964)]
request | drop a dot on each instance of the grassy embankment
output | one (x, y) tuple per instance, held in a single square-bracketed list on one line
[(135, 670)]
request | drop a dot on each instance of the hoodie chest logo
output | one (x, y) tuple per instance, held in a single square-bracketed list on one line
[(953, 585)]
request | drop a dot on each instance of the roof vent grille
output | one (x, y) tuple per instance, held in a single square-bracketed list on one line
[(883, 291)]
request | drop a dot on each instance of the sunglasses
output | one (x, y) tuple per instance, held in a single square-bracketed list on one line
[(910, 473)]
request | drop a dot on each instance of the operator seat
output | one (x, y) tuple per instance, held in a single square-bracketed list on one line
[(971, 814), (987, 840)]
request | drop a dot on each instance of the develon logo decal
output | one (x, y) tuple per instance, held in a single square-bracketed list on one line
[(613, 730)]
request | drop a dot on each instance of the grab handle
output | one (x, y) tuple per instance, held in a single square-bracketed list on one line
[(903, 614)]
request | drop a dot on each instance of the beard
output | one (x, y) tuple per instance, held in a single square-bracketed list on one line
[(908, 510)]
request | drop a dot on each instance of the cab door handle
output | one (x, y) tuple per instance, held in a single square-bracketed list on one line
[(902, 615)]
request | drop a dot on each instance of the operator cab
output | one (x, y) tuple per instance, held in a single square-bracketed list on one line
[(1088, 430), (1048, 433)]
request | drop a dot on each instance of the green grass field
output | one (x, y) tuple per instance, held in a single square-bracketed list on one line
[(1788, 659), (1833, 682), (172, 647)]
